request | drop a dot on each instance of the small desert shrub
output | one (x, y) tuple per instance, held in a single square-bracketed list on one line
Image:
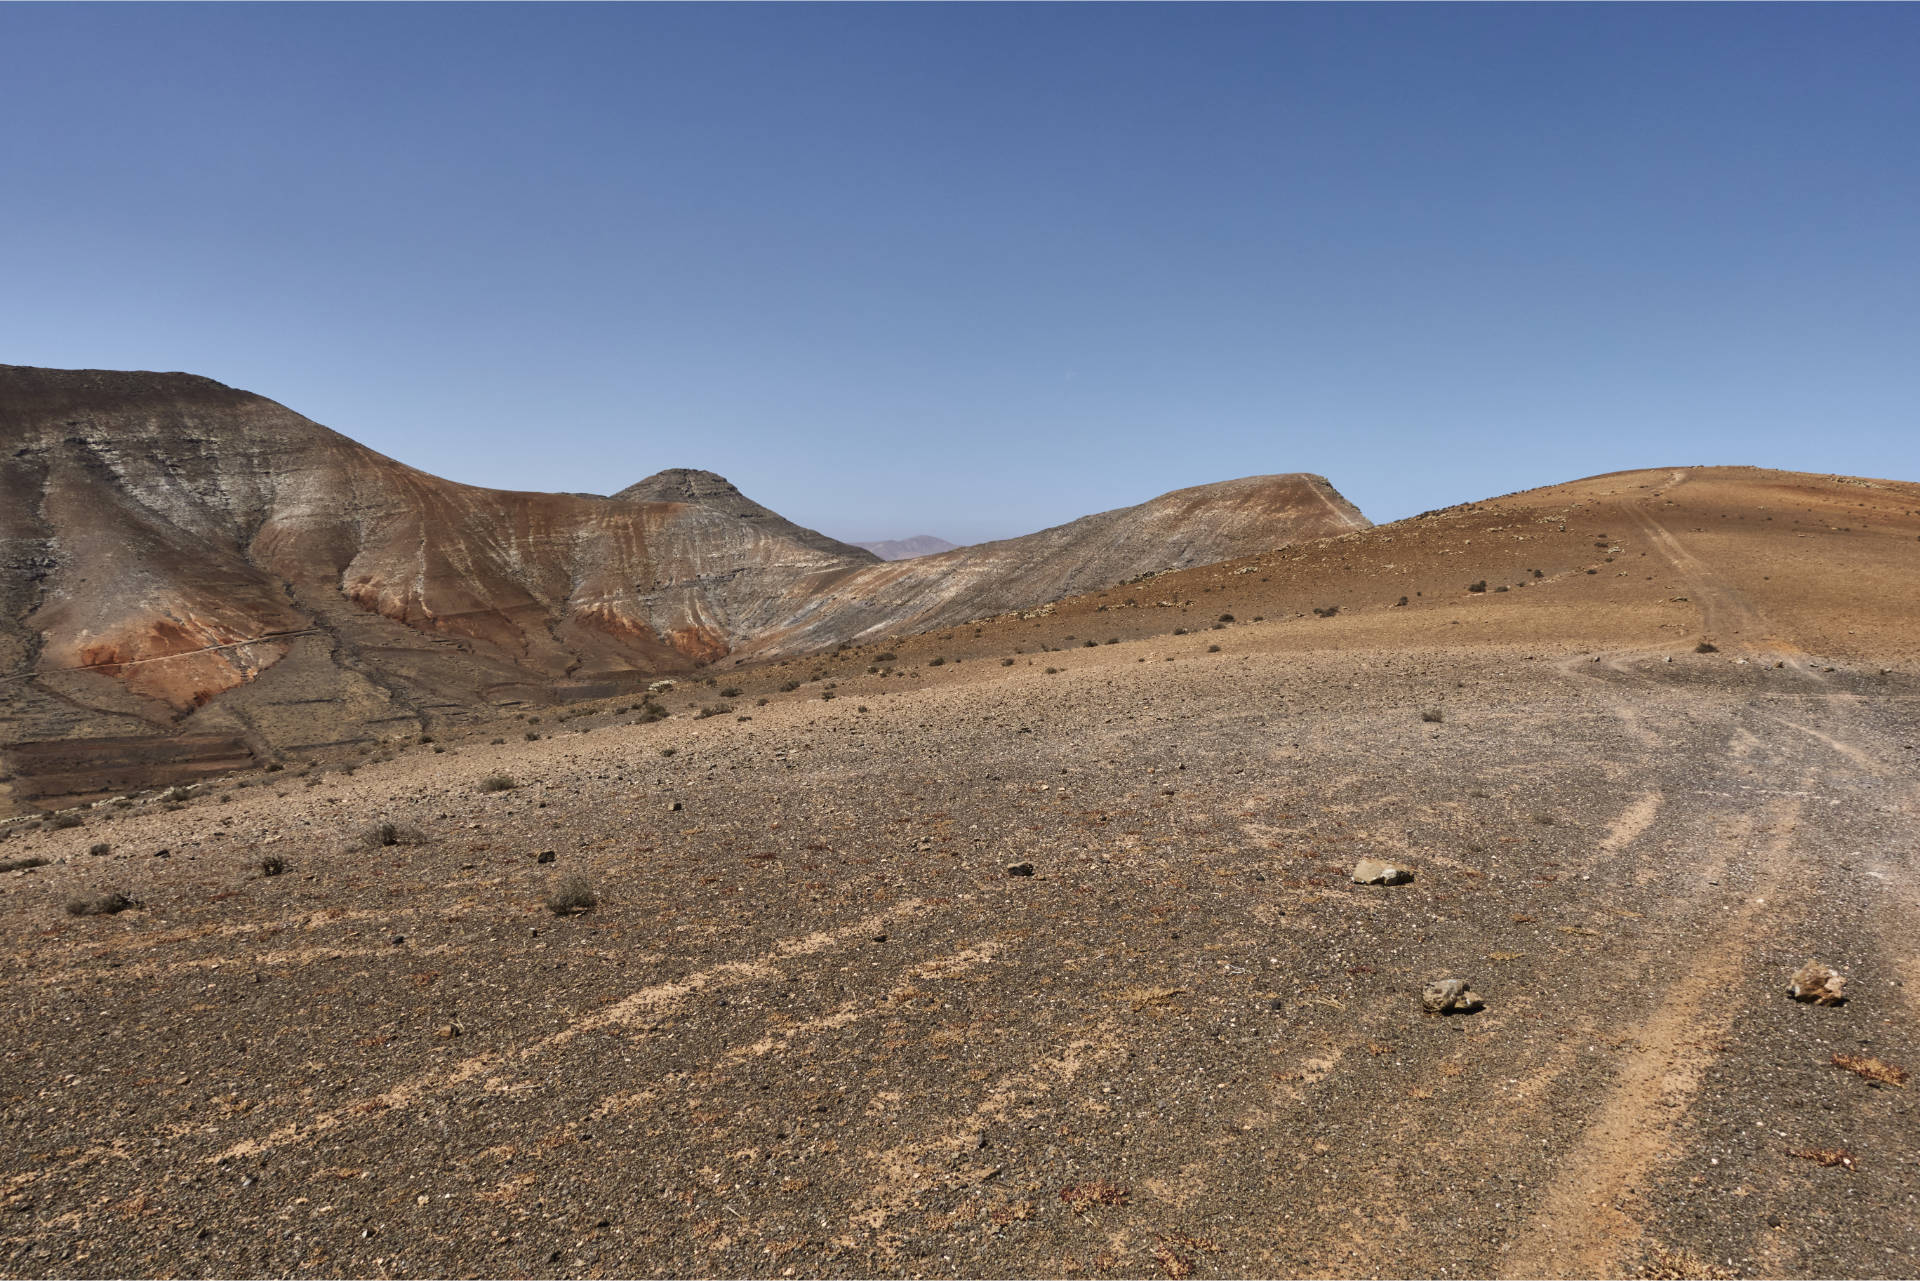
[(274, 767), (887, 657), (497, 741), (716, 709), (1402, 601), (532, 736), (379, 835), (99, 849), (272, 865), (1006, 662), (731, 691), (497, 783), (571, 895), (60, 822), (1480, 586), (21, 864), (1433, 716), (1113, 640), (1327, 611), (1052, 671), (826, 695), (669, 751), (1544, 819), (1226, 618), (936, 661), (1537, 574), (761, 702), (787, 687), (1179, 631), (651, 712), (1706, 647), (105, 904), (1213, 649)]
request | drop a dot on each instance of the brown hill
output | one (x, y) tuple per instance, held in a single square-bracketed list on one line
[(183, 557)]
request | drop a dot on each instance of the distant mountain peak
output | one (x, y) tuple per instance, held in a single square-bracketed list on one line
[(711, 490), (908, 548)]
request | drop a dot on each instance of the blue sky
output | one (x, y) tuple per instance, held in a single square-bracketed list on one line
[(974, 270)]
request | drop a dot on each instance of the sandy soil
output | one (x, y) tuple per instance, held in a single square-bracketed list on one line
[(815, 1027)]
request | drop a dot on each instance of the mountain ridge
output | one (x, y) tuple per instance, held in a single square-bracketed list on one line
[(185, 556)]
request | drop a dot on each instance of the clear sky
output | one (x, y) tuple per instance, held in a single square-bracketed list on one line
[(971, 271)]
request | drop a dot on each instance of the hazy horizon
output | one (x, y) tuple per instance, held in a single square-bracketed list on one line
[(975, 271)]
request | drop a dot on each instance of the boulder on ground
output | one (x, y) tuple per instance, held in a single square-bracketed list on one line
[(1449, 996), (1371, 871), (1820, 984)]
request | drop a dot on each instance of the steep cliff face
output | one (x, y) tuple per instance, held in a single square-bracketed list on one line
[(182, 555)]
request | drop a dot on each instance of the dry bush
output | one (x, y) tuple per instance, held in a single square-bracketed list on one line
[(103, 904), (572, 895), (379, 835)]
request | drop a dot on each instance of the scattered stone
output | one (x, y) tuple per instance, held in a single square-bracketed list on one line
[(544, 856), (1019, 869), (1371, 871), (674, 808), (1820, 984), (447, 1031), (1449, 996), (881, 937)]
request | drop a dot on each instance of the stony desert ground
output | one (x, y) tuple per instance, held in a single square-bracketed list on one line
[(818, 1024)]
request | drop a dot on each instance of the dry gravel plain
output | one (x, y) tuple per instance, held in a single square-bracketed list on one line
[(814, 1026)]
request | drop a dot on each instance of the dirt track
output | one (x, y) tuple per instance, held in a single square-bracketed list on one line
[(814, 1027)]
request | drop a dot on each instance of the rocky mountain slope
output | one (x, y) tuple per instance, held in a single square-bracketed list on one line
[(185, 558)]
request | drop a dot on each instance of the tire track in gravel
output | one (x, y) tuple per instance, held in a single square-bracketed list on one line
[(628, 1011), (1584, 1224)]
